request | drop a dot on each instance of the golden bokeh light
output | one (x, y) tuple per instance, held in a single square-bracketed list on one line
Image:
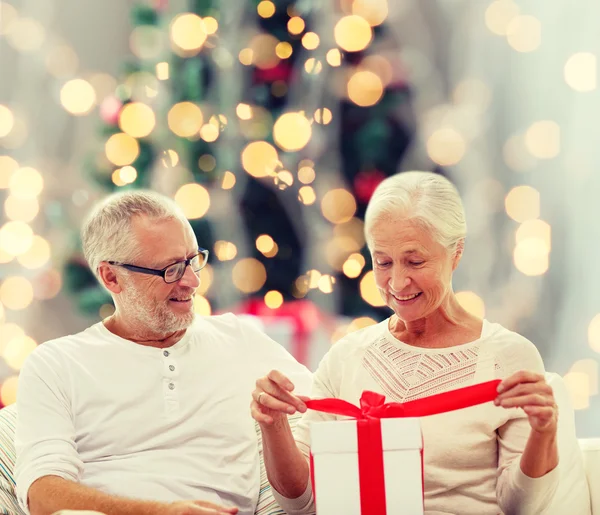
[(580, 71), (313, 66), (37, 255), (19, 209), (472, 303), (8, 390), (207, 163), (128, 174), (7, 121), (249, 275), (137, 119), (17, 350), (360, 323), (295, 25), (228, 181), (78, 97), (170, 158), (531, 257), (446, 147), (117, 179), (594, 333), (264, 243), (542, 139), (499, 14), (202, 306), (209, 132), (273, 299), (185, 119), (374, 11), (353, 33), (16, 293), (264, 51), (8, 332), (338, 206), (225, 250), (380, 66), (326, 283), (26, 183), (284, 179), (284, 50), (211, 25), (516, 156), (307, 195), (188, 34), (8, 166), (16, 238), (369, 291), (26, 34), (310, 40), (246, 56), (121, 149), (8, 15), (162, 70), (323, 116), (579, 388), (62, 61), (243, 111), (193, 199), (534, 229), (591, 368), (522, 203), (306, 175), (334, 57), (265, 9), (5, 257), (524, 33), (206, 279), (365, 88), (353, 266), (292, 131), (260, 159)]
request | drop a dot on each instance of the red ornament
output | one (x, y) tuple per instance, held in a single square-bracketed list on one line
[(280, 72), (365, 184)]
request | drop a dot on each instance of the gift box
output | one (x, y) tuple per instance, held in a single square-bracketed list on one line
[(373, 465), (339, 482)]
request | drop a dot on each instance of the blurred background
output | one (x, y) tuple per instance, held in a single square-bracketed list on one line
[(270, 122)]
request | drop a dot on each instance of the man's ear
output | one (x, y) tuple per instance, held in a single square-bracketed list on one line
[(109, 278), (460, 247)]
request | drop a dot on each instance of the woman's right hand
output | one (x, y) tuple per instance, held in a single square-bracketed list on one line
[(273, 399)]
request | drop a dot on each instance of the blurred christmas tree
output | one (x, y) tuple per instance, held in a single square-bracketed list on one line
[(271, 123)]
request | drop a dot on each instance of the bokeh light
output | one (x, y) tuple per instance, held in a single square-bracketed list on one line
[(193, 199), (306, 175), (472, 303), (78, 97), (338, 206), (524, 33), (284, 50), (211, 25), (292, 131), (581, 70), (295, 25), (228, 181), (185, 119), (16, 238), (7, 121), (225, 250), (8, 390), (323, 116), (369, 291), (353, 33), (188, 34), (37, 255), (446, 147), (365, 88), (206, 279), (534, 229), (310, 41), (579, 388), (374, 11), (260, 159), (313, 66), (273, 299), (16, 293), (137, 119), (264, 51), (26, 183), (353, 266), (334, 57), (499, 14), (523, 203), (121, 149), (249, 275), (594, 333), (542, 139), (162, 71), (265, 9), (531, 257), (26, 34), (17, 350), (8, 166), (202, 306), (517, 156)]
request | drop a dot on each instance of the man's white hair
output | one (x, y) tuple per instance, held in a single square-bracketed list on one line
[(107, 232), (426, 198)]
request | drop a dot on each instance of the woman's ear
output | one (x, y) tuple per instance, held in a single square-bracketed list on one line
[(458, 252)]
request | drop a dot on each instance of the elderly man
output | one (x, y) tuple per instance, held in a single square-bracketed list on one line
[(145, 412)]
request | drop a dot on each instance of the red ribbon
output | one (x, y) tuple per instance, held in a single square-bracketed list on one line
[(370, 446)]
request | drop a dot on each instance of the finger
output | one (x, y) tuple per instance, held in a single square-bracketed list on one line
[(525, 400), (523, 376), (274, 390), (258, 415), (542, 388), (278, 378), (269, 401), (539, 411), (218, 508)]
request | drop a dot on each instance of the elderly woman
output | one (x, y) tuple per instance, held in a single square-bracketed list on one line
[(480, 460)]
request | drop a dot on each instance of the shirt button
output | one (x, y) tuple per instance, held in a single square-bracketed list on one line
[(171, 386), (171, 368), (166, 354)]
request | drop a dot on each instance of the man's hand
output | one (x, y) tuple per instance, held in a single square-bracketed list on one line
[(273, 399), (198, 508), (529, 391)]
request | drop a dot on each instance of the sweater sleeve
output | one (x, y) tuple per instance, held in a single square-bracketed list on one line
[(45, 433), (517, 493)]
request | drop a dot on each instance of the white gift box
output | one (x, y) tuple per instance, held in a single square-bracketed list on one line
[(334, 446)]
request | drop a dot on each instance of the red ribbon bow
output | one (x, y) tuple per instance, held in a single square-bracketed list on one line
[(370, 445)]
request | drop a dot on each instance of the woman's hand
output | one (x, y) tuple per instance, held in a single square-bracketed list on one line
[(273, 399), (529, 391), (198, 508)]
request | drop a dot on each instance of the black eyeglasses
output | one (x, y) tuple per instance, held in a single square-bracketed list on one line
[(173, 272)]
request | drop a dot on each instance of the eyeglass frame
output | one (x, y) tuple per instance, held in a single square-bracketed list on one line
[(163, 271)]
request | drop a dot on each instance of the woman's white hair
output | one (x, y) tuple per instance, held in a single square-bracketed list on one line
[(107, 232), (426, 198)]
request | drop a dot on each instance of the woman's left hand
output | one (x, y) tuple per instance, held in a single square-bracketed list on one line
[(529, 391)]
